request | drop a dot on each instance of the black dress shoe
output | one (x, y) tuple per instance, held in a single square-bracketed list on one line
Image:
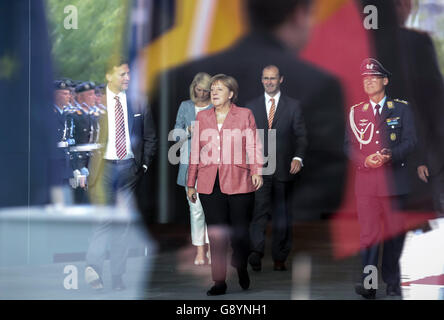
[(279, 266), (255, 261), (394, 290), (219, 288), (244, 279), (366, 293), (117, 283)]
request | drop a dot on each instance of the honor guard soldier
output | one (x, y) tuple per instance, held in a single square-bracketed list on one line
[(83, 134), (100, 95), (65, 127), (381, 134)]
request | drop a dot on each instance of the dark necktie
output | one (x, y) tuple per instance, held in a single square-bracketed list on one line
[(120, 130), (377, 115)]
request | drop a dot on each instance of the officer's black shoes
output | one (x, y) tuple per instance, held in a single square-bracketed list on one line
[(219, 288), (255, 261), (93, 278), (394, 290), (366, 293), (117, 283), (279, 266), (244, 279)]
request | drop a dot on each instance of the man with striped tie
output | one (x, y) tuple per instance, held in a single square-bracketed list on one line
[(281, 115), (128, 141)]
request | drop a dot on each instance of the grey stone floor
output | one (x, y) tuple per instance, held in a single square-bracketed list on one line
[(170, 274)]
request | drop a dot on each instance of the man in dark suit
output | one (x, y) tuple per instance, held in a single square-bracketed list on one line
[(276, 112), (381, 135), (279, 30), (423, 86), (128, 139)]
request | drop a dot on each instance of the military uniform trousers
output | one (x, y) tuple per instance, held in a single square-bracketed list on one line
[(380, 220)]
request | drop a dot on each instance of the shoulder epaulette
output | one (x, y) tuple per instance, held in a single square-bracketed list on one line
[(402, 101), (358, 104)]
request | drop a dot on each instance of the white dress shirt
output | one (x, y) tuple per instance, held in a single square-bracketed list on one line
[(381, 104), (111, 152), (268, 107)]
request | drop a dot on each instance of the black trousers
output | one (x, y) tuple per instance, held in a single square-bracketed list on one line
[(272, 200), (228, 218), (437, 182)]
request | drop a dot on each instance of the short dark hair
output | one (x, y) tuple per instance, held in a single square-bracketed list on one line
[(267, 14), (116, 61), (270, 66)]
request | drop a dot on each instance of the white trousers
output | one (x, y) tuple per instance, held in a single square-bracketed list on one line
[(199, 233)]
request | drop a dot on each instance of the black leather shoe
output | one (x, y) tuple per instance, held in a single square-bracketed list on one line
[(219, 288), (244, 279), (279, 266), (394, 290), (117, 283), (366, 293), (255, 261)]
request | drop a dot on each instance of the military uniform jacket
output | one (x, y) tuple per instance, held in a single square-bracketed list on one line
[(83, 123), (395, 130), (64, 133)]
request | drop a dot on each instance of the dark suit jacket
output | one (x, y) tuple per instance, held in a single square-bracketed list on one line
[(423, 87), (291, 138), (321, 101), (142, 136)]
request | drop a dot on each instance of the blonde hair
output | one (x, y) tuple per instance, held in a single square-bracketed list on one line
[(202, 79), (227, 81)]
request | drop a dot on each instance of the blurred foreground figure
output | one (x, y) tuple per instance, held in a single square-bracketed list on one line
[(279, 30), (380, 137), (128, 142), (424, 89), (27, 142)]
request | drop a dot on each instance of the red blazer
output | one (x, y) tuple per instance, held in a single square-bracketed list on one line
[(236, 151)]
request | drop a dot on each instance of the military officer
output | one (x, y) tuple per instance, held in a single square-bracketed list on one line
[(381, 134)]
